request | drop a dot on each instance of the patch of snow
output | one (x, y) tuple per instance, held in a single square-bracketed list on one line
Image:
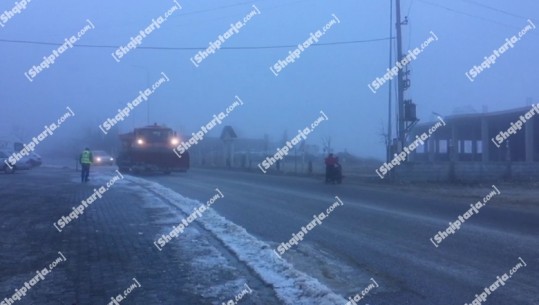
[(290, 285)]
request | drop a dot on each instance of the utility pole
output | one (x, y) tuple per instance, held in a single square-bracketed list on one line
[(400, 84), (390, 87)]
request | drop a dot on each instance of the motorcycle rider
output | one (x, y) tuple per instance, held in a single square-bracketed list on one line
[(330, 162)]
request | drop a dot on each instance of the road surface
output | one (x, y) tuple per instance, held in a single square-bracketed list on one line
[(373, 234), (382, 234)]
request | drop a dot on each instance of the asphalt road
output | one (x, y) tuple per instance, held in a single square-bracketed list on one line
[(384, 235), (379, 235)]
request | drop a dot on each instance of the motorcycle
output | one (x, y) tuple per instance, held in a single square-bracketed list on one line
[(334, 174)]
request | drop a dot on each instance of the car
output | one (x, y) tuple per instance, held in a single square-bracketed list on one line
[(34, 160), (4, 164), (29, 162), (101, 157), (26, 162)]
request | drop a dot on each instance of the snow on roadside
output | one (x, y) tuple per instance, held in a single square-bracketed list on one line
[(290, 285), (216, 277)]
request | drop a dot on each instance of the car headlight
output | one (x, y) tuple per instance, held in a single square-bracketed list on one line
[(98, 159), (174, 141), (111, 159)]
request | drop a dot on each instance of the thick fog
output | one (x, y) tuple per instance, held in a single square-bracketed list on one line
[(331, 76)]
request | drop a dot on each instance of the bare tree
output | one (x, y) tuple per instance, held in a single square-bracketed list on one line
[(326, 144)]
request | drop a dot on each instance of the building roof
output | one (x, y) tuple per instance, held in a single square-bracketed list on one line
[(228, 133)]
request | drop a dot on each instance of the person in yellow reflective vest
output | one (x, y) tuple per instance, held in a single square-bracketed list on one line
[(86, 159)]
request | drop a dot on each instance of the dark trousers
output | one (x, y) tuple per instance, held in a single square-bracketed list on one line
[(329, 172), (85, 172)]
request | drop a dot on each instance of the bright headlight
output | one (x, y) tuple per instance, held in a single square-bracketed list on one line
[(98, 159), (140, 141), (174, 141)]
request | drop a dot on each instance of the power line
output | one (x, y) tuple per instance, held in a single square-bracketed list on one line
[(410, 24), (218, 8), (204, 48), (195, 48), (495, 9), (467, 14), (409, 8)]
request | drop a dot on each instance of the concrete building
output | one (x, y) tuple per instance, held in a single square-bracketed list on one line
[(500, 145)]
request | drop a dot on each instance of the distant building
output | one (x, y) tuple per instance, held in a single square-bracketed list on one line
[(479, 146), (229, 150)]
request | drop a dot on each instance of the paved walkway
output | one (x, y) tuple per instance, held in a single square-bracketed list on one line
[(100, 254)]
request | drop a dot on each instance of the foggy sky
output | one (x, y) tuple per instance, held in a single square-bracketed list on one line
[(330, 78)]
